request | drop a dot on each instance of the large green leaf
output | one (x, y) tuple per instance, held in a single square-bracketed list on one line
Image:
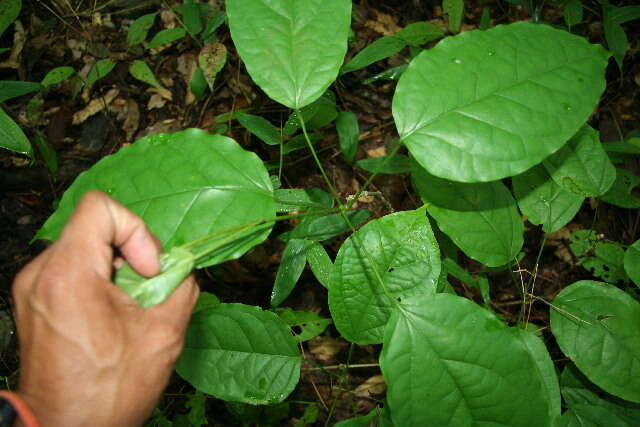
[(543, 201), (632, 262), (491, 104), (481, 218), (621, 192), (11, 136), (581, 165), (595, 325), (184, 185), (240, 353), (449, 362), (389, 259), (292, 49)]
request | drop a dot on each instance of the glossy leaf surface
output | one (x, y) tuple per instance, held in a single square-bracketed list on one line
[(240, 353), (593, 329), (319, 262), (447, 361), (260, 127), (581, 165), (11, 136), (291, 265), (632, 262), (184, 185), (499, 101), (388, 260), (482, 219), (543, 201), (292, 49)]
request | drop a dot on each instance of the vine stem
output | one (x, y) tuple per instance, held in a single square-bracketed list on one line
[(343, 366)]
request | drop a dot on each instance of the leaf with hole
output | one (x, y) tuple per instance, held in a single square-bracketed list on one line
[(590, 321), (304, 324), (499, 101), (212, 58), (621, 192), (388, 260), (292, 49), (240, 353)]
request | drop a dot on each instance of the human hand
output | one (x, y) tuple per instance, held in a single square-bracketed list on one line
[(89, 354)]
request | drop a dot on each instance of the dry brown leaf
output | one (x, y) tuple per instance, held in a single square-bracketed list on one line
[(168, 18), (164, 126), (132, 119), (564, 254), (19, 38), (156, 101), (77, 48), (95, 106), (377, 152), (325, 348), (187, 65), (373, 385), (384, 24), (162, 92)]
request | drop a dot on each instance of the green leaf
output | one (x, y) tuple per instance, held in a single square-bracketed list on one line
[(614, 34), (11, 136), (10, 9), (399, 163), (320, 228), (581, 165), (212, 58), (589, 416), (191, 17), (309, 324), (261, 128), (319, 262), (47, 153), (212, 26), (485, 19), (543, 201), (289, 271), (592, 325), (582, 241), (632, 262), (141, 71), (292, 49), (57, 75), (168, 35), (380, 49), (489, 116), (309, 417), (573, 13), (325, 111), (482, 219), (419, 33), (378, 417), (10, 89), (621, 192), (608, 262), (99, 70), (479, 281), (455, 10), (299, 142), (140, 28), (240, 353), (168, 180), (448, 361), (393, 73), (197, 414), (348, 134), (199, 84), (293, 199), (388, 260), (175, 266), (206, 300)]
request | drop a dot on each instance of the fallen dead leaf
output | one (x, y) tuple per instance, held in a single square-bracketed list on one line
[(325, 348), (377, 152), (77, 48), (95, 106), (162, 92), (164, 126), (19, 38), (187, 65), (384, 24), (132, 119), (156, 101), (373, 385), (168, 18)]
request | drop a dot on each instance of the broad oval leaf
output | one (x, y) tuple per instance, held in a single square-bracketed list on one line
[(140, 28), (240, 353), (581, 165), (482, 218), (184, 185), (485, 105), (387, 260), (141, 71), (99, 70), (593, 323), (543, 201), (309, 324), (57, 75), (449, 362), (292, 49), (11, 136), (168, 35), (632, 262)]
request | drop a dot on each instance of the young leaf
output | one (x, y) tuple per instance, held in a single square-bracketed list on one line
[(10, 89), (141, 71), (168, 35), (348, 134), (289, 271), (419, 33), (501, 121), (99, 70), (543, 201), (168, 180), (310, 324), (621, 192), (260, 127), (482, 219), (590, 321), (380, 49), (240, 353), (199, 84), (11, 136), (581, 165), (10, 11), (632, 262), (292, 49), (388, 260), (448, 361), (140, 28), (57, 75), (397, 164), (319, 262), (212, 58), (455, 10), (573, 13)]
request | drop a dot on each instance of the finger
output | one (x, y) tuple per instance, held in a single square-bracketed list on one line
[(180, 304), (98, 224)]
